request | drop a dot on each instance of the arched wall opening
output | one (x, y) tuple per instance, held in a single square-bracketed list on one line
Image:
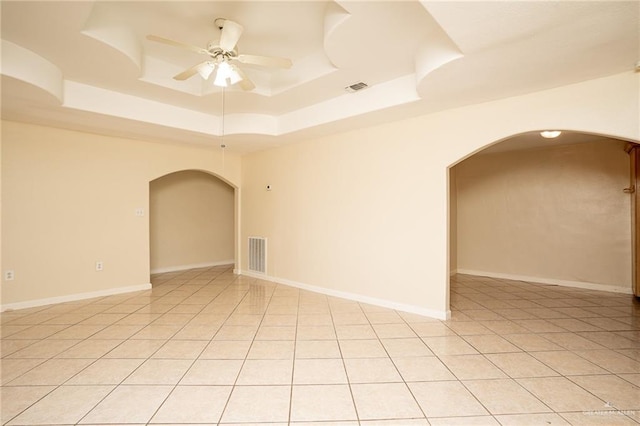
[(192, 221), (547, 211), (373, 203)]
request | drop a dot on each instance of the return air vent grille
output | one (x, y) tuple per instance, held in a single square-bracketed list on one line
[(258, 254), (355, 87)]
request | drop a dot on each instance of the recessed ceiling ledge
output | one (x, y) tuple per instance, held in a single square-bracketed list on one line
[(110, 30), (257, 124), (92, 99), (386, 95), (107, 102), (434, 54), (334, 16), (31, 68)]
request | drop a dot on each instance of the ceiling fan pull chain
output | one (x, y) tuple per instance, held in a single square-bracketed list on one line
[(222, 144), (223, 150), (223, 115)]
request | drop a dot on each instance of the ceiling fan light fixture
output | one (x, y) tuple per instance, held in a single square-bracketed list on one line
[(235, 75), (221, 52), (550, 134), (226, 75), (206, 69), (220, 81)]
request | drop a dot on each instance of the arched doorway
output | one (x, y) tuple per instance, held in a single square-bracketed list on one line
[(191, 222), (549, 211)]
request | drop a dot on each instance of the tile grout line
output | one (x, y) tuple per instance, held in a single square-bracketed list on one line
[(548, 366), (194, 359), (539, 333), (344, 364), (235, 383), (459, 380), (128, 375), (56, 387), (293, 368), (393, 362)]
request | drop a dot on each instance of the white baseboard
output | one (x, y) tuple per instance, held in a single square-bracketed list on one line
[(192, 266), (552, 281), (73, 297), (441, 315)]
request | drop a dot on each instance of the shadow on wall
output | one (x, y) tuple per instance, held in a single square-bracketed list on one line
[(544, 210), (191, 221)]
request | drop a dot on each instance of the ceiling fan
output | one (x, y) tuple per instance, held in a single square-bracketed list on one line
[(223, 54)]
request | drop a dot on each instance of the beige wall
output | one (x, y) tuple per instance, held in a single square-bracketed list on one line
[(555, 214), (191, 221), (453, 221), (365, 213), (69, 200)]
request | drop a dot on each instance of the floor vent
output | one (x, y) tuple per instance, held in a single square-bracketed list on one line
[(258, 254)]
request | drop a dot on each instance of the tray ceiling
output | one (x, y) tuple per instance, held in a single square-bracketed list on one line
[(88, 66)]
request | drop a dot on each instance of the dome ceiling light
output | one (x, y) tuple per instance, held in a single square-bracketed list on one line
[(550, 134)]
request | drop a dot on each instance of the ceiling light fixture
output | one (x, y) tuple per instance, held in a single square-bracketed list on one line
[(550, 134), (205, 69), (221, 54), (226, 75)]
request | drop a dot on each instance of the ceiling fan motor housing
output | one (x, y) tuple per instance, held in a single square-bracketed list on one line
[(216, 52)]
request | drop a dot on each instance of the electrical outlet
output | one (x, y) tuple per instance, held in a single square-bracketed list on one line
[(99, 266), (139, 211), (9, 275)]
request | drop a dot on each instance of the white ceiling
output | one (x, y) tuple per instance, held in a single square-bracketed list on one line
[(88, 66)]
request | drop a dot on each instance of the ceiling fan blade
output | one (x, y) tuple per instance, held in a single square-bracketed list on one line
[(177, 44), (246, 83), (265, 61), (231, 32), (190, 72)]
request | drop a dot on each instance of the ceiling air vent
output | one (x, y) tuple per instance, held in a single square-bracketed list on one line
[(355, 87)]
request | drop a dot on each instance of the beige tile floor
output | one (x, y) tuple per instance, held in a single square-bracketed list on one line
[(208, 347)]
